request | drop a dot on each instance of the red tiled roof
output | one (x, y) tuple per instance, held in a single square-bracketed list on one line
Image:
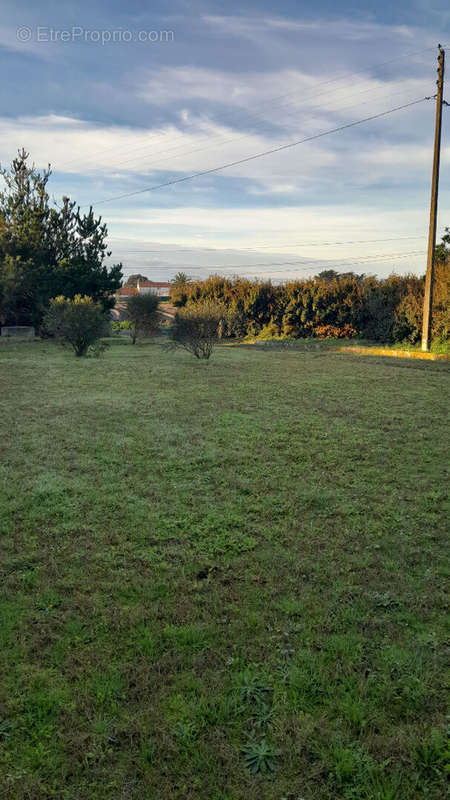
[(154, 285), (126, 290)]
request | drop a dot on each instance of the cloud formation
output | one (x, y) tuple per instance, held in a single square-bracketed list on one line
[(115, 120)]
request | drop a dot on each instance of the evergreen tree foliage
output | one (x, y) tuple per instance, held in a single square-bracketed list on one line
[(47, 250)]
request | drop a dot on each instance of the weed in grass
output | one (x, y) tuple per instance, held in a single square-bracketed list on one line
[(260, 757), (252, 691), (262, 717), (355, 711), (432, 755), (385, 788)]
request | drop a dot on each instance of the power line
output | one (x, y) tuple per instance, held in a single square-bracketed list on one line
[(291, 114), (373, 68), (352, 261), (359, 259), (222, 140), (261, 155), (349, 241), (377, 257), (275, 246)]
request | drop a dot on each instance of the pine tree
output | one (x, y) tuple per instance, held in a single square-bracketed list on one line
[(47, 250)]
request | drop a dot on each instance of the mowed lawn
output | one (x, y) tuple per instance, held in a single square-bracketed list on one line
[(223, 580)]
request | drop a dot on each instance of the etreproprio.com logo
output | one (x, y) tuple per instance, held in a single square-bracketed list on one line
[(45, 33)]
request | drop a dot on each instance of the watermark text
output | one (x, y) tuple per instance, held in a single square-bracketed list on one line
[(45, 33)]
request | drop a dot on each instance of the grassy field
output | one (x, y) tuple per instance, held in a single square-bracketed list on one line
[(223, 580)]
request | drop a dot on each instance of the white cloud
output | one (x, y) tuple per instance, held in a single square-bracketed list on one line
[(212, 116), (270, 96), (414, 156), (74, 146), (79, 147), (243, 240), (271, 31), (268, 228)]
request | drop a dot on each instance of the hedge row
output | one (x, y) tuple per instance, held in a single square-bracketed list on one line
[(387, 310)]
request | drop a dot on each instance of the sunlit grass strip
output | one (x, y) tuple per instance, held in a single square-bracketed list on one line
[(387, 351)]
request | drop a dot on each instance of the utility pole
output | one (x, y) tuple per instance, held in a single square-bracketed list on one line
[(429, 279)]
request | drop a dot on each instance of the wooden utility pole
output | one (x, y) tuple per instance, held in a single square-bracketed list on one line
[(429, 279)]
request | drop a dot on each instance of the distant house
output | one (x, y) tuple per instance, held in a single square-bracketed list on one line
[(156, 287), (143, 287)]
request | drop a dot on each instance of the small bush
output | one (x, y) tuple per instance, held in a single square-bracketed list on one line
[(197, 329), (268, 333), (142, 313), (79, 322), (408, 318)]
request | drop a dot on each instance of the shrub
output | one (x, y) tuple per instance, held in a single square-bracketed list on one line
[(408, 314), (142, 313), (334, 331), (408, 318), (440, 325), (268, 332), (197, 329), (378, 313), (79, 322)]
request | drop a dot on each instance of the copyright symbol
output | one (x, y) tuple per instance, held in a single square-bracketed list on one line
[(24, 34)]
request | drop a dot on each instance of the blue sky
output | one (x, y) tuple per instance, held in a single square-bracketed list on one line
[(220, 82)]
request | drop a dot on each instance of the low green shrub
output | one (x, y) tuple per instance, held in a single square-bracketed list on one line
[(79, 322), (197, 329)]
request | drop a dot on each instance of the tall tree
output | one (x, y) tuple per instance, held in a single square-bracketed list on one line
[(47, 250), (179, 289), (328, 275), (142, 313), (132, 280)]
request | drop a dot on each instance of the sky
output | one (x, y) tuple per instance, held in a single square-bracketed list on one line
[(121, 98)]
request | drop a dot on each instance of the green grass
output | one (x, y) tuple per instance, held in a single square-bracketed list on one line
[(436, 346), (223, 580)]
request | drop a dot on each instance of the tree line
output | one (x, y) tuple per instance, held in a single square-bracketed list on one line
[(330, 304), (53, 273)]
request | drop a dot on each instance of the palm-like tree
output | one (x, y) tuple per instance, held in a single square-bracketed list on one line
[(179, 288), (180, 280)]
